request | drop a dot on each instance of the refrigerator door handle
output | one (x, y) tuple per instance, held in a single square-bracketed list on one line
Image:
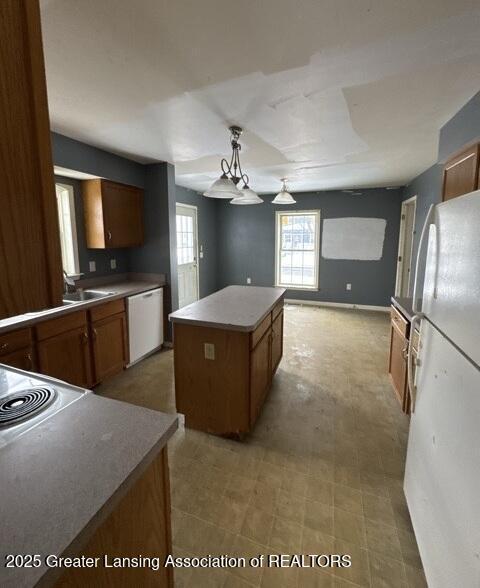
[(424, 233), (411, 384)]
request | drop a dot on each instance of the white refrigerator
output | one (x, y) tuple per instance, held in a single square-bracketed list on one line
[(442, 473)]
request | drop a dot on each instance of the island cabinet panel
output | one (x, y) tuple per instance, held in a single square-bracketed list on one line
[(113, 214), (24, 359), (139, 525), (277, 341), (110, 346), (260, 375), (30, 258), (212, 378), (64, 349)]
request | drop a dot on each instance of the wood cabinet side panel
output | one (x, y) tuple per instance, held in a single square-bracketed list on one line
[(212, 394), (139, 525), (93, 214), (260, 375), (397, 365), (461, 173), (277, 341)]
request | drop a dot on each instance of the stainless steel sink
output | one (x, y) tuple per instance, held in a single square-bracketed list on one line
[(83, 295)]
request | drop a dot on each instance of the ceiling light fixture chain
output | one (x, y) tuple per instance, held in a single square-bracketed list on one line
[(235, 159)]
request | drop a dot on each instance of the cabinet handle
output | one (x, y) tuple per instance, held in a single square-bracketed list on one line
[(3, 346), (85, 337), (109, 235), (405, 352), (95, 334), (30, 361)]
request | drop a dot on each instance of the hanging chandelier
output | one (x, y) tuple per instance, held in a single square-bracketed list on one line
[(284, 196), (227, 184)]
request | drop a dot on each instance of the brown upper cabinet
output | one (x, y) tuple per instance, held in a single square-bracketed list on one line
[(460, 175), (113, 214), (30, 257)]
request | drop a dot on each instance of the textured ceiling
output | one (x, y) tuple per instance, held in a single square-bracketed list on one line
[(331, 94)]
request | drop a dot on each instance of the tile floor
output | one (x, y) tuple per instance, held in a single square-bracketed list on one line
[(321, 473)]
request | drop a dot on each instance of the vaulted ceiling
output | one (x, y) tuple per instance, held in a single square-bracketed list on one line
[(331, 94)]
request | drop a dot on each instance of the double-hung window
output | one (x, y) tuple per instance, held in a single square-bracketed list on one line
[(68, 229), (297, 249)]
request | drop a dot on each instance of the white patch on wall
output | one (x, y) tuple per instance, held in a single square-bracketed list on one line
[(353, 238)]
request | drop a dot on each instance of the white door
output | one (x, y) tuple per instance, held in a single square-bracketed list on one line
[(187, 255), (405, 245)]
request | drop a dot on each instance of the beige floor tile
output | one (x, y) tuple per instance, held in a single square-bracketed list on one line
[(347, 498), (296, 483), (409, 549), (316, 542), (315, 578), (415, 577), (386, 572), (232, 581), (279, 578), (247, 549), (358, 572), (383, 539), (347, 476), (257, 525), (320, 490), (378, 509), (286, 536), (349, 527), (291, 507), (319, 516)]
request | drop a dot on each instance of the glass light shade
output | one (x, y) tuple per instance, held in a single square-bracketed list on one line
[(283, 197), (247, 196), (223, 188)]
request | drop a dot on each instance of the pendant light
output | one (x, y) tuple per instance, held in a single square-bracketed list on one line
[(283, 197), (226, 185)]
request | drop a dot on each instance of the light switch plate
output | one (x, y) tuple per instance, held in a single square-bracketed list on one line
[(92, 267), (249, 280), (209, 349), (349, 286), (113, 264)]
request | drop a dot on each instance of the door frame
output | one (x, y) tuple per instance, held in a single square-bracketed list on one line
[(197, 259), (401, 243)]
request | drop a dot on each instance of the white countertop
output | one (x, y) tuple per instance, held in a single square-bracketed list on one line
[(117, 290), (236, 308)]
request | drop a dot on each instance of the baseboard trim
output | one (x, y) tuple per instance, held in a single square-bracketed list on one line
[(168, 344), (337, 305)]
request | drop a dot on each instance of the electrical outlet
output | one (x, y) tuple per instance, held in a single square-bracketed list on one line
[(349, 286), (209, 350), (201, 251), (249, 280), (92, 267), (113, 264)]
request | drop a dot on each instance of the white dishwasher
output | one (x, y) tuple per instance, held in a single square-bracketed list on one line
[(145, 323)]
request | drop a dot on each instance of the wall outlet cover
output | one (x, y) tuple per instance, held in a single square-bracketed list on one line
[(349, 286), (249, 280), (209, 350), (92, 266), (113, 264)]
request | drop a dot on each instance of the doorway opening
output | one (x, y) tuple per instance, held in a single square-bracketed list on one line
[(405, 247), (187, 254)]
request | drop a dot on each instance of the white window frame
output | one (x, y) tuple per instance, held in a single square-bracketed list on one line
[(278, 241), (68, 228)]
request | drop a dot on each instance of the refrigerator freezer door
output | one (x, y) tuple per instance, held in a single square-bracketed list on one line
[(451, 295), (442, 473)]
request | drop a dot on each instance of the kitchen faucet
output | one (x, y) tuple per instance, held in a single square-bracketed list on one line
[(68, 282)]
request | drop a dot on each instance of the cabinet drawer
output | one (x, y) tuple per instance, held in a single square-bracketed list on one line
[(15, 340), (62, 324), (108, 309), (260, 330), (277, 309), (399, 321), (23, 359)]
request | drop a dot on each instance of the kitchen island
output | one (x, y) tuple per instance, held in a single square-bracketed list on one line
[(227, 348)]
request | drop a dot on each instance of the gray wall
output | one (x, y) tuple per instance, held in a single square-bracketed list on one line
[(99, 256), (207, 236), (78, 156), (247, 246), (460, 130)]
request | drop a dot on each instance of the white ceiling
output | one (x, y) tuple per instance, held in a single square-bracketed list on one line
[(331, 94)]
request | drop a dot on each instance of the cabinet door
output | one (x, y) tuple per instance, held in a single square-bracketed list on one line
[(122, 215), (460, 175), (110, 349), (67, 357), (277, 341), (397, 362), (22, 359), (260, 375)]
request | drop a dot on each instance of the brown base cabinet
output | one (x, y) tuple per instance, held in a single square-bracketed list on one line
[(222, 390), (16, 350), (139, 525)]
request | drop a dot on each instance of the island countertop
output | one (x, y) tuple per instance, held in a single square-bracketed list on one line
[(63, 478), (235, 308)]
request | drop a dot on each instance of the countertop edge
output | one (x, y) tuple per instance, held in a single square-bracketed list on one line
[(51, 575), (30, 321)]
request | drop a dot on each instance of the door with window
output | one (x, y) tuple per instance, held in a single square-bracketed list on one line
[(187, 255)]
